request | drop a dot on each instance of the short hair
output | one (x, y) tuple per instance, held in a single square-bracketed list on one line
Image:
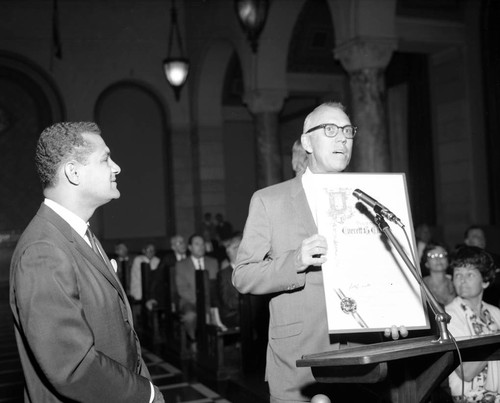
[(235, 237), (175, 237), (60, 143), (470, 228), (476, 257), (329, 104), (196, 234)]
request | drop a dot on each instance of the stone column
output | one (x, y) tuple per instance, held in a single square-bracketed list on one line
[(265, 106), (365, 60)]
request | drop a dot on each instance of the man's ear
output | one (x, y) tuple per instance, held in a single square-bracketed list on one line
[(72, 173), (306, 143)]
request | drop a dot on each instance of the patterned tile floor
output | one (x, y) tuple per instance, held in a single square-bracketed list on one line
[(168, 378)]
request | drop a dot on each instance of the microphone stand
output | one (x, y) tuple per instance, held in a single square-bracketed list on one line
[(442, 318)]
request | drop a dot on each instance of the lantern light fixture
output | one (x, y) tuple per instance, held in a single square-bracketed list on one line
[(175, 68), (252, 16)]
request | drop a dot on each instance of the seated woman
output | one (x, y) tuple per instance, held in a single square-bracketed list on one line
[(435, 259), (473, 271)]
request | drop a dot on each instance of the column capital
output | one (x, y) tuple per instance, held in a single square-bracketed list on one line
[(365, 53), (264, 100)]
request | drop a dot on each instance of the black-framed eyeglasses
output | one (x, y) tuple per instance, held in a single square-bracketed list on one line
[(331, 130)]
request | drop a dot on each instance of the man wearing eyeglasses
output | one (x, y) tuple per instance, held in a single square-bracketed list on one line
[(281, 254)]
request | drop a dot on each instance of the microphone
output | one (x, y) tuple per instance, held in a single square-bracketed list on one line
[(377, 207)]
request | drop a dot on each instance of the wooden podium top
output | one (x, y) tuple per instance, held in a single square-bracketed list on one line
[(411, 368), (401, 349)]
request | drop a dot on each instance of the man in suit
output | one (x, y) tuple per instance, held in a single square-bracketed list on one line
[(281, 254), (185, 282), (228, 296), (144, 266), (124, 262), (176, 253), (73, 323)]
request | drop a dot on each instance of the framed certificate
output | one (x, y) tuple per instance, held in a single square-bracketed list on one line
[(368, 287)]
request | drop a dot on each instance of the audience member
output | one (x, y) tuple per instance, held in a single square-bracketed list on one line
[(281, 254), (299, 158), (123, 263), (473, 270), (136, 288), (435, 260), (186, 282), (228, 295), (73, 323), (178, 247), (223, 228), (208, 232), (176, 253), (474, 235), (423, 234)]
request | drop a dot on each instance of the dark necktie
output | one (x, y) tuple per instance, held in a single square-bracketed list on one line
[(93, 243)]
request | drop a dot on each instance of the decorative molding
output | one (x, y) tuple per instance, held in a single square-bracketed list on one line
[(259, 101), (365, 53)]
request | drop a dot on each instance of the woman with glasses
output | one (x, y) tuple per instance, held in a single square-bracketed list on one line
[(435, 261), (473, 272)]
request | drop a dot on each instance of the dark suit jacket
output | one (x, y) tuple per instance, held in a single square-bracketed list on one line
[(186, 284), (279, 220), (229, 298), (72, 320)]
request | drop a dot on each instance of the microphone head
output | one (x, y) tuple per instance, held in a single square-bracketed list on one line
[(357, 193)]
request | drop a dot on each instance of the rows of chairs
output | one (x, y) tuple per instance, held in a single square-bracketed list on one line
[(221, 351)]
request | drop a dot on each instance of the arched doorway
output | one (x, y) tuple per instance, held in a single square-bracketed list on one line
[(134, 127), (29, 102)]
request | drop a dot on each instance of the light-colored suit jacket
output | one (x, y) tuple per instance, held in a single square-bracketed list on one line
[(72, 320), (186, 283), (279, 220)]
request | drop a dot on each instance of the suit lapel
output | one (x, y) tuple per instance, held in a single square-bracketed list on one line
[(80, 245), (97, 262), (301, 206)]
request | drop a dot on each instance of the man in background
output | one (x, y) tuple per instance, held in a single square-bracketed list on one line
[(73, 323), (185, 280), (137, 289), (123, 263), (176, 253), (228, 296)]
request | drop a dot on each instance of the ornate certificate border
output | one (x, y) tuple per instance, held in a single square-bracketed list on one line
[(367, 285)]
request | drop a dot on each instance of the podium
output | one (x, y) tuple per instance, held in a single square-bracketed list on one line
[(411, 368)]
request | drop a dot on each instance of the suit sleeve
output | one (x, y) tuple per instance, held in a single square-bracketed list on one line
[(228, 297), (59, 336), (184, 287), (260, 269)]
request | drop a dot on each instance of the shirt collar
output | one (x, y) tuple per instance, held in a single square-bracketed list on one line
[(71, 218), (196, 259)]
